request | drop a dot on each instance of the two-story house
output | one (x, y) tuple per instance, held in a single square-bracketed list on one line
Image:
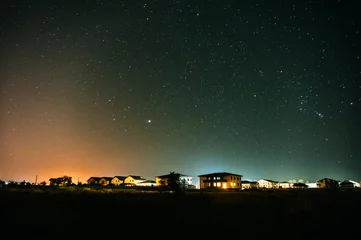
[(223, 180)]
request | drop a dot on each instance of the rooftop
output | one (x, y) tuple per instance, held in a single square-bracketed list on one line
[(219, 174)]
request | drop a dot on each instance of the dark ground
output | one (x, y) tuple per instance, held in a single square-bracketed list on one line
[(301, 213)]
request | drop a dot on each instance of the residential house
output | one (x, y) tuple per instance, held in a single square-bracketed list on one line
[(163, 179), (133, 180), (147, 183), (60, 181), (284, 185), (117, 180), (249, 184), (349, 184), (327, 183), (220, 180), (105, 180), (311, 185), (266, 183), (93, 180)]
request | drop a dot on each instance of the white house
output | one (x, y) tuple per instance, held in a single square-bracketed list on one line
[(349, 184), (147, 183), (311, 185), (266, 183)]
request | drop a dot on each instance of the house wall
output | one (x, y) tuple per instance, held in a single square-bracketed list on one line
[(159, 181), (311, 185), (265, 184), (284, 185), (116, 181), (148, 184), (188, 179), (132, 180), (104, 181), (215, 181)]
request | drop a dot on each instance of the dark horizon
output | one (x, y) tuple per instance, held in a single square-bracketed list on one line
[(148, 87)]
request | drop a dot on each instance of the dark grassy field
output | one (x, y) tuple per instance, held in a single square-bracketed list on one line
[(78, 213)]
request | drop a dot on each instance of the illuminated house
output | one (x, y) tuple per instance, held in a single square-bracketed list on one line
[(163, 179), (349, 184), (284, 185), (105, 180), (117, 180), (249, 184), (266, 183), (147, 183), (220, 180), (133, 180), (93, 180), (327, 183)]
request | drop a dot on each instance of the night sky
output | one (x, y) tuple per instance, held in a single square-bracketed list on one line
[(266, 89)]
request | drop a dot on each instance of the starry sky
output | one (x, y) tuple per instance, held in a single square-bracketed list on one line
[(266, 89)]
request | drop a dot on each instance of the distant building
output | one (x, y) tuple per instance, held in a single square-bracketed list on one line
[(349, 184), (266, 183), (133, 180), (105, 180), (147, 183), (93, 180), (60, 181), (327, 183), (162, 180), (220, 180), (117, 180), (284, 185), (249, 184), (311, 185)]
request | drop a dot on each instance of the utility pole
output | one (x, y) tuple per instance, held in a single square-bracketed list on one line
[(36, 179)]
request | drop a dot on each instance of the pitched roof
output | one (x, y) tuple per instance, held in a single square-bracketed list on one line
[(95, 178), (167, 175), (120, 177), (107, 178), (137, 177), (327, 179), (268, 180), (219, 174)]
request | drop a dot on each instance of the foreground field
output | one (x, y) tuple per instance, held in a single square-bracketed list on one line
[(54, 213)]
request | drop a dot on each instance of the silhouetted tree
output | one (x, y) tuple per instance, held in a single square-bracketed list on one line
[(174, 182), (43, 183)]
